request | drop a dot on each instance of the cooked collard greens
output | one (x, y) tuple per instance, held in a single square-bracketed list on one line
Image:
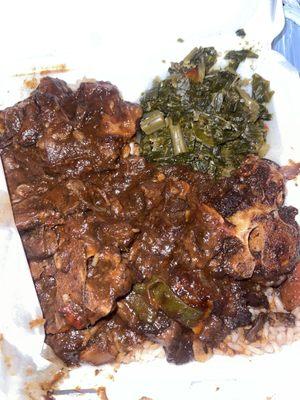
[(203, 116)]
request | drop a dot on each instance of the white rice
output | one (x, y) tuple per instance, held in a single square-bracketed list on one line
[(271, 338)]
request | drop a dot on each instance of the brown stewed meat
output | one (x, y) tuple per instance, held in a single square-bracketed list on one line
[(122, 251)]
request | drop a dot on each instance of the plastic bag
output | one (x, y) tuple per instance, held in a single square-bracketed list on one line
[(288, 41)]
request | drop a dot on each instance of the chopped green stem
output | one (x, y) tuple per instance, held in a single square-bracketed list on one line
[(152, 122), (178, 142)]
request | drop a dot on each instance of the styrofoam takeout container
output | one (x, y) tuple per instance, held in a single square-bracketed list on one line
[(125, 42)]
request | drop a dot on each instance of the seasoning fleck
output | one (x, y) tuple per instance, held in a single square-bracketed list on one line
[(240, 32)]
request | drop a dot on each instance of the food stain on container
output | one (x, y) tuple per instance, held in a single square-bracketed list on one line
[(36, 322), (31, 83), (47, 70)]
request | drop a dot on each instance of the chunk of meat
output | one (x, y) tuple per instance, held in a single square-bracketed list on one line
[(84, 130), (111, 338), (252, 334), (46, 290), (70, 262), (194, 287), (27, 122), (39, 267), (25, 173), (233, 308), (180, 349), (119, 234), (68, 345), (263, 243), (58, 89), (290, 290), (107, 279), (40, 243), (275, 245), (211, 230), (213, 332), (256, 183), (233, 259), (51, 207), (101, 110), (33, 212)]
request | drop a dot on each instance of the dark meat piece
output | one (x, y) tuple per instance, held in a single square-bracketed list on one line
[(52, 208), (46, 290), (234, 259), (80, 131), (262, 245), (107, 279), (119, 234), (270, 244), (194, 287), (252, 334), (288, 215), (54, 87), (213, 332), (290, 290), (111, 337), (37, 268), (48, 106), (255, 182), (275, 245), (235, 312), (25, 173), (33, 212), (68, 345), (180, 350), (151, 250), (101, 110), (209, 231), (257, 299), (70, 262), (40, 243), (93, 139)]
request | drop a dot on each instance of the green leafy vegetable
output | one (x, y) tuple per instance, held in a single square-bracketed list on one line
[(203, 116), (237, 56), (261, 89)]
